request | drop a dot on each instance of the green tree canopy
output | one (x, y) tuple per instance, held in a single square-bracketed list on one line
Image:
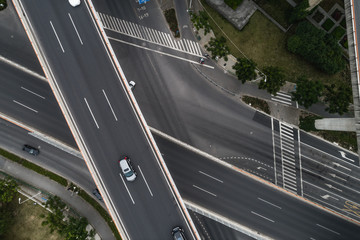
[(245, 69), (274, 79), (317, 47), (76, 229), (338, 98), (300, 12), (201, 20), (307, 92), (218, 48), (8, 189)]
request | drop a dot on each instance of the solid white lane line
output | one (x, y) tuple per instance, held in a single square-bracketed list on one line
[(273, 144), (33, 92), (269, 203), (91, 113), (145, 181), (327, 229), (25, 106), (75, 29), (126, 188), (57, 37), (204, 190), (262, 216), (211, 177), (110, 105), (163, 53)]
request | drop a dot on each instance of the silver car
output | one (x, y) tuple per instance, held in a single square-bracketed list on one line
[(126, 169)]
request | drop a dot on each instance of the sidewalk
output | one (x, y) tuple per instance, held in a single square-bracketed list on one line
[(44, 184), (223, 76)]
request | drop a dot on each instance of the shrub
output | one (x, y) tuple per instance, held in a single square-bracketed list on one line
[(328, 24), (3, 4), (318, 16), (170, 16), (233, 3), (336, 15), (316, 47), (308, 123), (343, 23), (257, 103), (338, 32)]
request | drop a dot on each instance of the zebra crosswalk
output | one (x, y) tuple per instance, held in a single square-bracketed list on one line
[(288, 157), (282, 97), (149, 35)]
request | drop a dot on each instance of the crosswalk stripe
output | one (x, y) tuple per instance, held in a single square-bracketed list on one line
[(125, 27), (284, 94), (182, 45), (199, 49), (166, 40), (138, 34), (280, 101)]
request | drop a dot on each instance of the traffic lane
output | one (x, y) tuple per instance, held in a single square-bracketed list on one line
[(210, 229), (322, 159), (23, 94), (330, 149), (331, 179), (149, 14), (101, 142), (175, 100), (15, 45), (53, 158), (295, 216)]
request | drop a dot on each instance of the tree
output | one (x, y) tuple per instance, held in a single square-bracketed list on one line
[(274, 79), (338, 98), (76, 229), (55, 218), (317, 47), (218, 48), (307, 92), (245, 69), (201, 21), (299, 12), (8, 189)]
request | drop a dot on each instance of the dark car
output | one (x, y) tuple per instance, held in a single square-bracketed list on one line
[(97, 194), (178, 233), (32, 150)]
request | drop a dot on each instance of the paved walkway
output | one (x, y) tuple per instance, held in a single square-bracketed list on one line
[(44, 184), (227, 81)]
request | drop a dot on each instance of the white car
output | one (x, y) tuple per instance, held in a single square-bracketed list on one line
[(74, 3), (132, 84), (126, 169)]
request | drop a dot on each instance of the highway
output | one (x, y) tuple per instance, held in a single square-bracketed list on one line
[(211, 185), (176, 100), (109, 126)]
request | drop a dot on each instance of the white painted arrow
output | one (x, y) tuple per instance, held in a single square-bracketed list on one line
[(339, 165), (331, 186), (343, 154), (328, 196), (261, 168), (335, 176)]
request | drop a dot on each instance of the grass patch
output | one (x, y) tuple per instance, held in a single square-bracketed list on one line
[(33, 167), (263, 42), (257, 103), (318, 16), (27, 223), (328, 24), (170, 16), (104, 214), (338, 32), (233, 3), (63, 182), (328, 4), (277, 9), (344, 139)]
